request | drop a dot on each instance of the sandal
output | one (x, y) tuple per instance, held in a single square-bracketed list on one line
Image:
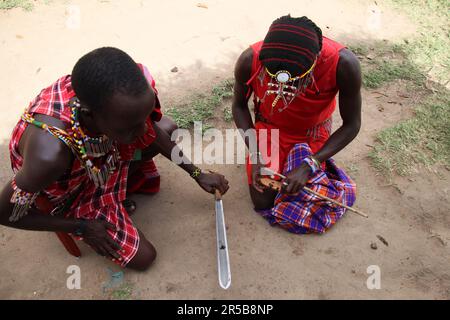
[(130, 206)]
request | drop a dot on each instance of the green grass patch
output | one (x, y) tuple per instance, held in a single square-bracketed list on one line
[(359, 49), (10, 4), (430, 50), (200, 107), (227, 114), (383, 63), (422, 140), (124, 292), (385, 71)]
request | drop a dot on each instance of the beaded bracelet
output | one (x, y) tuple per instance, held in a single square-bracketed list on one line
[(312, 163), (22, 201), (196, 173), (316, 161)]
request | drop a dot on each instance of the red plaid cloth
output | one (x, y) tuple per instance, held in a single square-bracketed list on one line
[(305, 212), (104, 203)]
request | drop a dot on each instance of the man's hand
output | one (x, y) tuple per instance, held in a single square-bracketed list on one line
[(212, 181), (96, 235), (256, 177), (296, 179)]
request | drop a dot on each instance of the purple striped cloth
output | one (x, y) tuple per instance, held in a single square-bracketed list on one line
[(305, 212)]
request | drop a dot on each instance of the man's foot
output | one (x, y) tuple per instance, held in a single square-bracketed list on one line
[(262, 201), (129, 205)]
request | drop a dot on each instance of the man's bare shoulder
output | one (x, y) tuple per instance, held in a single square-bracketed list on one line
[(348, 72), (348, 62), (243, 66), (45, 157)]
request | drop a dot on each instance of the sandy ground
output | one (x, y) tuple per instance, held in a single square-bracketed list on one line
[(412, 213)]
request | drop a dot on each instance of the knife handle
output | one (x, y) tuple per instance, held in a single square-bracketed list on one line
[(217, 194)]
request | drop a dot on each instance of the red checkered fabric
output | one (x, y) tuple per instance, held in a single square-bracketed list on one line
[(105, 202)]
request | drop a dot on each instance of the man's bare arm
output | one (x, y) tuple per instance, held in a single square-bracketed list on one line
[(348, 79), (242, 73), (45, 159)]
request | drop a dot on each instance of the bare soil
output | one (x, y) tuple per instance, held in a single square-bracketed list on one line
[(410, 213)]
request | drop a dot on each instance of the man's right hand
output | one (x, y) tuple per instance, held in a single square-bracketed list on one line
[(256, 177), (96, 235)]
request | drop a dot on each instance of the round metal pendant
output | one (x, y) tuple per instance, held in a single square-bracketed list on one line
[(283, 76)]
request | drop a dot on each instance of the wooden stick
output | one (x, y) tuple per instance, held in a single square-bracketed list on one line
[(336, 202), (277, 185)]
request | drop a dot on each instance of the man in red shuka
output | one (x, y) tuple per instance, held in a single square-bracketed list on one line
[(81, 146), (294, 76)]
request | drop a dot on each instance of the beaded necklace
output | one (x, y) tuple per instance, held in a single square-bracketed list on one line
[(285, 87), (54, 131), (93, 147), (85, 148)]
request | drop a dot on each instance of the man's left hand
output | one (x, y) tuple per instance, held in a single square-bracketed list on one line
[(296, 179)]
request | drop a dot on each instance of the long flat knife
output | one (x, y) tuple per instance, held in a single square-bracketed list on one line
[(223, 259)]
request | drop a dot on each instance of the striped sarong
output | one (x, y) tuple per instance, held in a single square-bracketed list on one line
[(305, 212)]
